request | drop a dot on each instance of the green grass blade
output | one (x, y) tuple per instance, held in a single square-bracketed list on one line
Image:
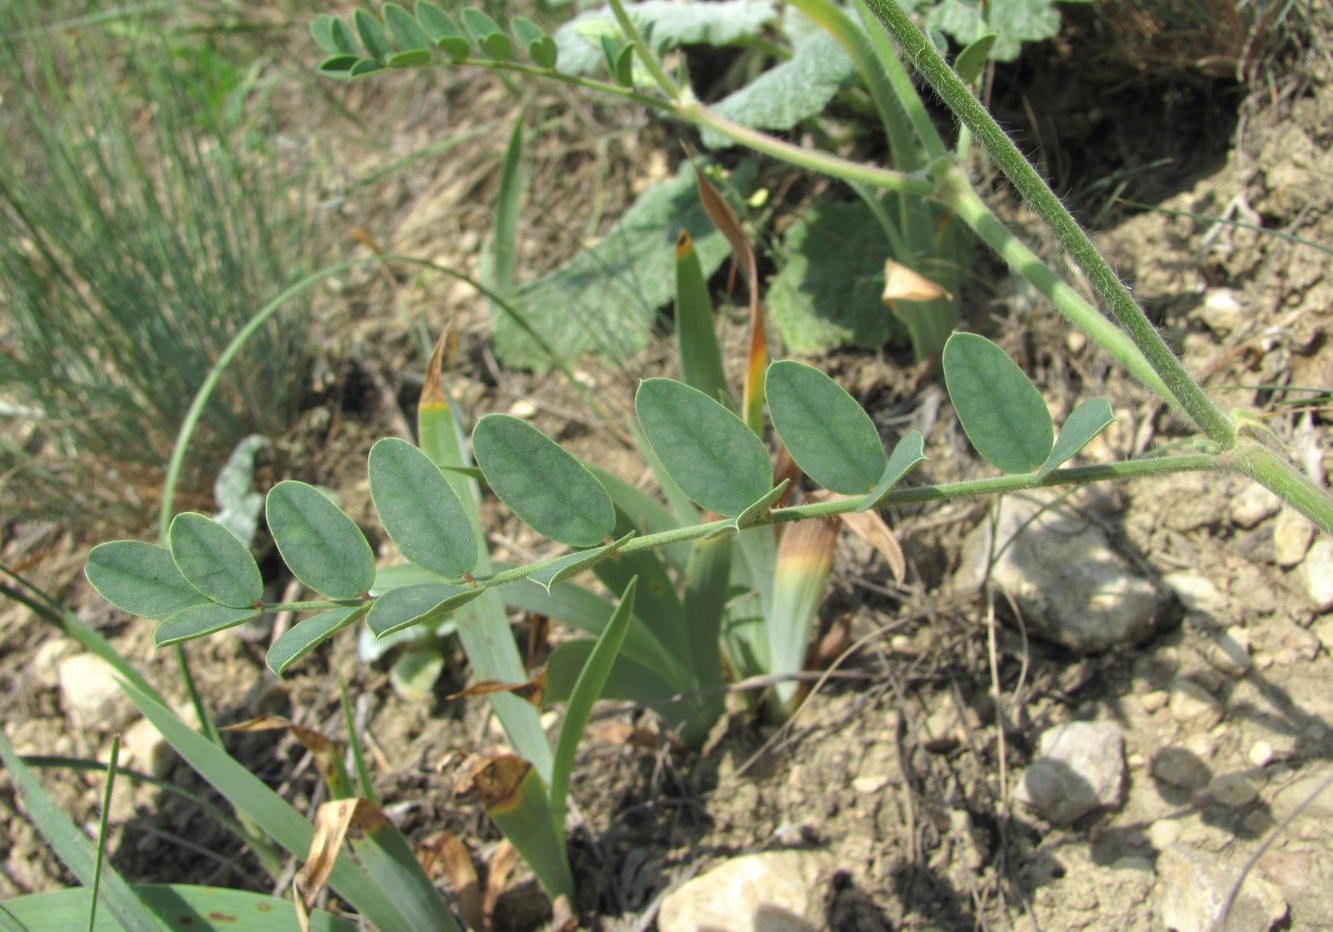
[(587, 691), (192, 907), (696, 332), (500, 261), (75, 850), (483, 626), (256, 802), (515, 798)]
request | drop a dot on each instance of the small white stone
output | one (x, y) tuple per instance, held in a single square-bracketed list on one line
[(147, 749), (1193, 705), (1318, 572), (1292, 533), (778, 891), (45, 664), (1221, 310), (523, 409), (1261, 754), (1198, 593), (1252, 504), (90, 693)]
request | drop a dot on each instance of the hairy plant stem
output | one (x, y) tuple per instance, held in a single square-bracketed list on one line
[(1112, 292), (962, 199)]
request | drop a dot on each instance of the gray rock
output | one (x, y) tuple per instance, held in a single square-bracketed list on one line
[(1292, 532), (778, 891), (1232, 790), (1080, 768), (1317, 571), (1072, 588), (1192, 889), (1180, 768)]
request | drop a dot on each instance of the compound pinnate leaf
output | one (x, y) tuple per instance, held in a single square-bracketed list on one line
[(140, 578), (373, 37), (487, 34), (407, 32), (333, 35), (214, 562), (828, 434), (414, 605), (420, 510), (320, 545), (1001, 411), (1085, 422), (546, 487), (710, 453), (907, 454), (199, 620), (443, 31), (541, 48), (303, 637)]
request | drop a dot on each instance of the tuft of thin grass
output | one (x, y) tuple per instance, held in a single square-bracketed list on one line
[(143, 219)]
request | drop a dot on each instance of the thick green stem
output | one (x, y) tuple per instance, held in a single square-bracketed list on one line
[(1254, 459), (811, 159), (1112, 292), (958, 194), (1060, 478)]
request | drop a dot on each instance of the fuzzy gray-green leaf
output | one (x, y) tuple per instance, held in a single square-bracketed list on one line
[(1001, 411), (307, 634), (905, 457), (320, 545), (718, 461), (200, 620), (828, 434), (541, 483), (140, 578), (420, 510), (214, 562), (1085, 422), (790, 92), (414, 605)]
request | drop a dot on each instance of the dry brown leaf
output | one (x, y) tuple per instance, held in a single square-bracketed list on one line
[(870, 527), (533, 690), (332, 820), (496, 780), (443, 853), (903, 284), (322, 748), (539, 635), (502, 865)]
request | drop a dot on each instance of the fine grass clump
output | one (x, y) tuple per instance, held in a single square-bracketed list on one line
[(138, 236)]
